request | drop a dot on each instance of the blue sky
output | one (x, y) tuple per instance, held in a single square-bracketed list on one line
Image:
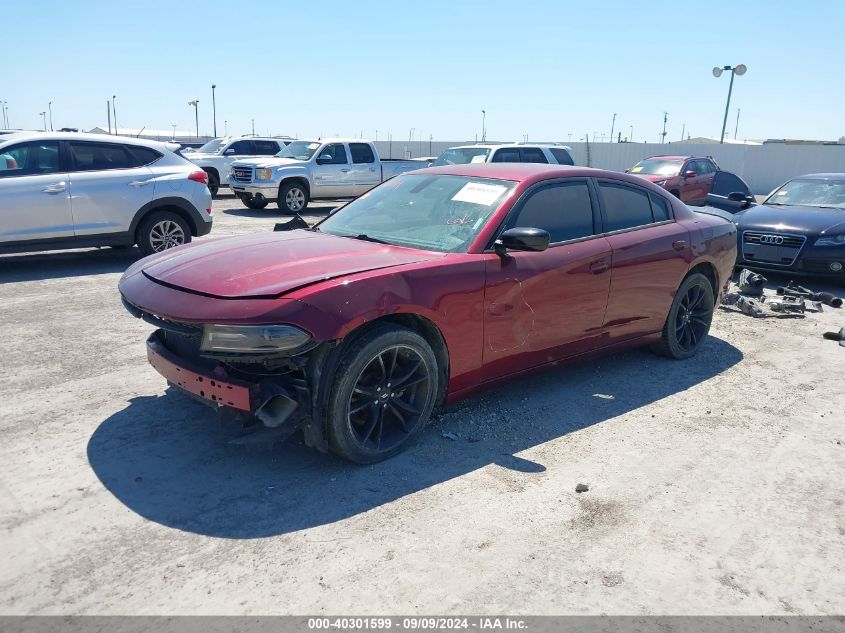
[(545, 69)]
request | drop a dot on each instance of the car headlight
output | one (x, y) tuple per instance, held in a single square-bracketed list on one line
[(659, 183), (831, 240), (263, 174), (246, 339)]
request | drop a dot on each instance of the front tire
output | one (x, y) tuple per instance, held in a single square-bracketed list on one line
[(689, 319), (293, 197), (252, 203), (384, 391), (162, 230)]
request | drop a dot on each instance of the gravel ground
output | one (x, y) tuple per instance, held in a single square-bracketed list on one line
[(715, 484)]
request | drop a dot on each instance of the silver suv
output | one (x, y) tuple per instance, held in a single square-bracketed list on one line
[(76, 190)]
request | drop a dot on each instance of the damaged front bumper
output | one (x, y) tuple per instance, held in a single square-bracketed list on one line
[(281, 403)]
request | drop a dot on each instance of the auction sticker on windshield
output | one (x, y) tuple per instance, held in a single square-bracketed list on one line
[(479, 193)]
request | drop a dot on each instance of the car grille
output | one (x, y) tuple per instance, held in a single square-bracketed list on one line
[(779, 249), (242, 174)]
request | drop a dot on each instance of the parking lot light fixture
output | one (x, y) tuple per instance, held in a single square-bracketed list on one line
[(739, 69), (195, 103), (483, 126), (114, 113), (50, 111), (214, 108)]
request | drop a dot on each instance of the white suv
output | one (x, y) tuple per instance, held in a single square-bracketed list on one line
[(216, 156), (60, 190), (551, 153)]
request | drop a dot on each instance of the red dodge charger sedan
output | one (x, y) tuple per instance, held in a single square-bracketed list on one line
[(428, 288)]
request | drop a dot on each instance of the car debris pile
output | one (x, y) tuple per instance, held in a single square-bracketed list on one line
[(790, 300)]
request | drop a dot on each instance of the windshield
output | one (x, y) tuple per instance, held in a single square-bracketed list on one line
[(654, 167), (431, 212), (212, 147), (300, 150), (810, 193), (462, 156)]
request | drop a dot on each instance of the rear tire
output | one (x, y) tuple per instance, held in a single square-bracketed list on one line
[(688, 322), (213, 183), (384, 390), (162, 230), (293, 197)]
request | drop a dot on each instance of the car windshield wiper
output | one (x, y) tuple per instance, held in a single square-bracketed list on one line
[(366, 238)]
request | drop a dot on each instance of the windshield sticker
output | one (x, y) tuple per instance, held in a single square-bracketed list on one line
[(478, 159), (313, 146), (479, 193), (636, 170)]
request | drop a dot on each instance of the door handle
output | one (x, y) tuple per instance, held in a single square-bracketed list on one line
[(56, 188), (344, 170), (679, 245), (372, 169), (139, 183), (600, 266)]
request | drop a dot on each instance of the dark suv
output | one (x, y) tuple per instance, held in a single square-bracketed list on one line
[(686, 177)]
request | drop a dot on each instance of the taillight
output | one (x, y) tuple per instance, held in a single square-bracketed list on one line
[(208, 210), (199, 176)]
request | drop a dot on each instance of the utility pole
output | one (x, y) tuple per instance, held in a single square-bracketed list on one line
[(225, 127), (683, 129), (50, 110), (737, 123), (214, 108), (108, 114), (113, 97), (631, 137), (253, 127), (430, 139), (44, 115), (483, 126), (612, 127), (663, 134)]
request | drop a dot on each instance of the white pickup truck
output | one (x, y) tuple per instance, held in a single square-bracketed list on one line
[(216, 157), (308, 170)]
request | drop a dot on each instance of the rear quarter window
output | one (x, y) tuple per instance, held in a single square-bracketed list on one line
[(561, 156), (142, 155), (625, 207)]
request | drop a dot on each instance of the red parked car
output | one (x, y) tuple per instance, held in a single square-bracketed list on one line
[(432, 286), (688, 178)]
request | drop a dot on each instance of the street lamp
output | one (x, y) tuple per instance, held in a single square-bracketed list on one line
[(612, 126), (114, 113), (739, 69), (195, 103), (44, 115), (214, 108), (50, 110), (483, 126)]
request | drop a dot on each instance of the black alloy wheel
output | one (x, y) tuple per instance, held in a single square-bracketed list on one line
[(688, 322)]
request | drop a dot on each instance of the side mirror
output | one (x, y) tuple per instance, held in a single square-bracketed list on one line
[(737, 196), (690, 173), (522, 239), (324, 159)]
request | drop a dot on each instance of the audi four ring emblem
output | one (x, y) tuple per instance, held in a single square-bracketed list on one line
[(771, 239)]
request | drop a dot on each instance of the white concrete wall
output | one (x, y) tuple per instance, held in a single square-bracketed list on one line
[(763, 167)]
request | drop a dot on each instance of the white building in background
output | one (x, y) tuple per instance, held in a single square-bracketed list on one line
[(179, 136)]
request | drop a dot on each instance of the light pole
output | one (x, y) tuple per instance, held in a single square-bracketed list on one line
[(736, 128), (114, 113), (195, 103), (253, 127), (173, 125), (226, 127), (612, 127), (631, 137), (663, 134), (739, 69), (483, 126), (3, 114), (44, 115), (214, 108), (50, 110)]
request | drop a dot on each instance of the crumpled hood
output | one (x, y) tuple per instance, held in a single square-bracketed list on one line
[(266, 161), (792, 218), (268, 265)]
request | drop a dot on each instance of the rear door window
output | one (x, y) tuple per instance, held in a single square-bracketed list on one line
[(562, 209), (561, 156), (506, 155), (265, 148), (30, 159), (99, 156), (362, 153), (532, 155), (240, 147), (625, 207)]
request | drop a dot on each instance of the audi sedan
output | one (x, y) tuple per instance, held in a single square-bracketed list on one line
[(436, 284), (799, 229)]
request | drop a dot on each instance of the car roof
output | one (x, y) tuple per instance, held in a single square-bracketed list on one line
[(827, 176), (519, 144), (526, 172), (672, 157), (83, 136)]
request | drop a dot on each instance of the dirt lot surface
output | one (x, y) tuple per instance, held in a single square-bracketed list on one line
[(715, 484)]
